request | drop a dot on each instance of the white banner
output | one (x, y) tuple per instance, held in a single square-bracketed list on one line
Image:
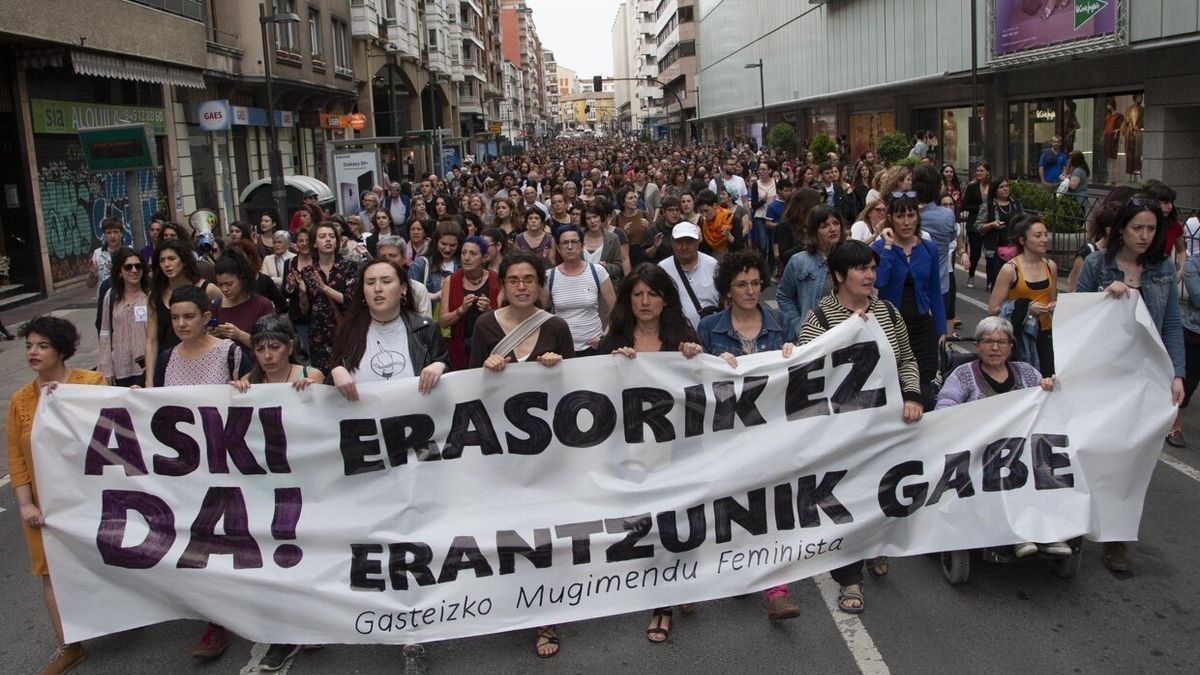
[(601, 486)]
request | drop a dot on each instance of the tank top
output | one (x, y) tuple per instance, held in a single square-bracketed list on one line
[(1034, 291)]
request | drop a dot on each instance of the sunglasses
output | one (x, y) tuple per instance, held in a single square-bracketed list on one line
[(1139, 201), (908, 193), (131, 267)]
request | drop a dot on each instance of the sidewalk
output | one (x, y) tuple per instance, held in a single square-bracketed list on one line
[(78, 306)]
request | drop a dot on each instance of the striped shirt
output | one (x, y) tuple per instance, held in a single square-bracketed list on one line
[(889, 320)]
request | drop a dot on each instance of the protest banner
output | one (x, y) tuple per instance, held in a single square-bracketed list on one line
[(604, 485)]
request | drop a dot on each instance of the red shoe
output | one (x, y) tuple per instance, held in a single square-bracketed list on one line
[(64, 659), (212, 644)]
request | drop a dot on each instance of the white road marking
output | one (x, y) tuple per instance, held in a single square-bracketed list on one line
[(973, 301), (854, 633), (5, 480), (1182, 467)]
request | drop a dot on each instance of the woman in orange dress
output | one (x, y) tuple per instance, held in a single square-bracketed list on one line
[(49, 342)]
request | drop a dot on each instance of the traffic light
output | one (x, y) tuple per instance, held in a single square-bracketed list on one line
[(597, 83)]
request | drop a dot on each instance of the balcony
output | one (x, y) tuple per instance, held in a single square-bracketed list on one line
[(469, 105), (366, 21), (474, 5)]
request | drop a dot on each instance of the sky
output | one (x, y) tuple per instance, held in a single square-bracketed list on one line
[(579, 32)]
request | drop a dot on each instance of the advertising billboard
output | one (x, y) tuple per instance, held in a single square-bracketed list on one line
[(1026, 30), (354, 172)]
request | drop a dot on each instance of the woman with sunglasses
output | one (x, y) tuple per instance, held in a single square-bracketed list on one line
[(1136, 261), (909, 277), (123, 321)]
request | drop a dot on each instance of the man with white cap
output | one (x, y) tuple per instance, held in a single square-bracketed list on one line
[(693, 272)]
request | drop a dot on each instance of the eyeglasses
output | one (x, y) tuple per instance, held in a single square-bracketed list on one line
[(993, 342), (527, 280), (132, 267), (569, 243), (743, 285), (1140, 201), (907, 193)]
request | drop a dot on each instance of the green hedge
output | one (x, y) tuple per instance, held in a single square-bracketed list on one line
[(1061, 214)]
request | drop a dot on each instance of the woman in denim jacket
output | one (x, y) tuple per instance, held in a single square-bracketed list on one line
[(747, 327), (806, 277), (1191, 346), (1135, 260)]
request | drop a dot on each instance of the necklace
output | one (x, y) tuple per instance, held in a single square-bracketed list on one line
[(389, 321), (267, 377)]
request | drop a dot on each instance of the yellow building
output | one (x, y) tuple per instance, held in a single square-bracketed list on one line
[(587, 111)]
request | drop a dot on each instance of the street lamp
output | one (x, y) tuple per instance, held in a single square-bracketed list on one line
[(762, 94), (275, 162)]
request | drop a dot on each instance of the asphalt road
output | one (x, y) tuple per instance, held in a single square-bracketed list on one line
[(1006, 618)]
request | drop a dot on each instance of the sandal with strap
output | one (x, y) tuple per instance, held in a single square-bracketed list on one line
[(845, 595), (879, 566), (660, 625), (546, 636)]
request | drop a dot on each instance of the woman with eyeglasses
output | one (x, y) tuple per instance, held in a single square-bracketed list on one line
[(909, 277), (870, 222), (125, 315), (471, 291), (994, 372), (521, 331), (1002, 211), (853, 266), (580, 292), (1030, 281), (806, 276), (1136, 261)]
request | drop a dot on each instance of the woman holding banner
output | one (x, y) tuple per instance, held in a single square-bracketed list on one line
[(49, 342), (852, 265), (522, 331), (648, 317), (1136, 260)]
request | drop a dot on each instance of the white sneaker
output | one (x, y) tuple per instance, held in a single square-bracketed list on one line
[(1025, 549), (1058, 549)]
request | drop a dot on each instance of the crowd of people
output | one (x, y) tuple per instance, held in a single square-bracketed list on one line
[(601, 248)]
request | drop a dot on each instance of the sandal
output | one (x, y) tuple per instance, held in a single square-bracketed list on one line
[(546, 637), (660, 625), (844, 596), (688, 608), (879, 566)]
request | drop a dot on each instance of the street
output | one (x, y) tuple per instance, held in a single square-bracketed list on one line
[(1006, 618)]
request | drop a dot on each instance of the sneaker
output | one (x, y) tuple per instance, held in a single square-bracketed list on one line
[(415, 662), (1025, 549), (1059, 549), (277, 656), (1175, 439), (212, 644), (1116, 556), (65, 658), (781, 607), (971, 282)]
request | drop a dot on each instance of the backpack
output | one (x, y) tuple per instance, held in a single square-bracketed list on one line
[(550, 285)]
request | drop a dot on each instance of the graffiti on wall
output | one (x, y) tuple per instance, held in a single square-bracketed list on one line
[(74, 201)]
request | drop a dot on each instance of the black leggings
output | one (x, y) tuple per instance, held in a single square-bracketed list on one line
[(993, 265), (975, 244), (1191, 361), (1045, 352), (923, 337)]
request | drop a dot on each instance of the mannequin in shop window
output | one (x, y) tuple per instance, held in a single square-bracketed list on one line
[(1131, 133)]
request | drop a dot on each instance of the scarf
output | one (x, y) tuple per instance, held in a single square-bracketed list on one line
[(714, 230)]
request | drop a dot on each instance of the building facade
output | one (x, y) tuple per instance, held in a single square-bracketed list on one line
[(523, 48), (588, 111), (675, 39), (1116, 81)]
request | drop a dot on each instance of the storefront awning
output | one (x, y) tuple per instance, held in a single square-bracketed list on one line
[(121, 68)]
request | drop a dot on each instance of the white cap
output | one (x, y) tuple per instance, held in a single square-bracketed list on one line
[(685, 230)]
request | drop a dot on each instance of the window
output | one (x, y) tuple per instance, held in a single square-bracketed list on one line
[(1106, 128), (685, 15), (192, 9), (287, 35), (389, 9), (341, 52), (314, 31), (432, 40)]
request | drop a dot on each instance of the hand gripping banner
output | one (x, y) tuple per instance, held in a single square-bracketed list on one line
[(604, 485)]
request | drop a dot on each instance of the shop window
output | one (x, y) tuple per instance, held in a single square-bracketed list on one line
[(1106, 128), (956, 137), (204, 168), (822, 122), (866, 128)]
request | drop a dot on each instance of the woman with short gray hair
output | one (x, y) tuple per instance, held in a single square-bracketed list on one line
[(994, 373)]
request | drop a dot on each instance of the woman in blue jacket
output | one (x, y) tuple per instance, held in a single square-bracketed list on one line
[(745, 326), (909, 277)]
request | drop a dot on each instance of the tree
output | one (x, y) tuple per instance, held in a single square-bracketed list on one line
[(892, 148), (783, 138), (820, 146)]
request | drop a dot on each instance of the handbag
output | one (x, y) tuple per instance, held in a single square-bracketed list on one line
[(1006, 253), (687, 285)]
